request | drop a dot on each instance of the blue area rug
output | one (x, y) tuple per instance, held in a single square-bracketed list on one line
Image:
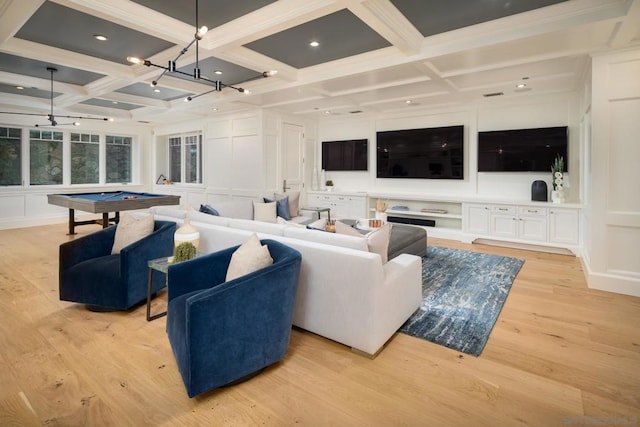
[(462, 295)]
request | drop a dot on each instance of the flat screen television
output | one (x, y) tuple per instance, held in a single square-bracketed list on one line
[(522, 150), (429, 153), (347, 155)]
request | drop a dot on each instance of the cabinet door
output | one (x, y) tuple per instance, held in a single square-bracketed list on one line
[(477, 219), (563, 226), (357, 207), (503, 221), (532, 223), (533, 228)]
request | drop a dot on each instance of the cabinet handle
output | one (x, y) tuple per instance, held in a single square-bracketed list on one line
[(503, 209), (532, 210)]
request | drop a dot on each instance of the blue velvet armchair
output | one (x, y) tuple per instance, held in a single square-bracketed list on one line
[(224, 332), (91, 275)]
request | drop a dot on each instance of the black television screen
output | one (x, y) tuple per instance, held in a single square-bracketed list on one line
[(348, 155), (432, 153), (521, 150)]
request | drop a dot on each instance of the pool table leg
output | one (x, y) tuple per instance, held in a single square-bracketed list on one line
[(72, 222), (105, 219)]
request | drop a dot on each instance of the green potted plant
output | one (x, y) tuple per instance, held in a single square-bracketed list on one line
[(184, 251)]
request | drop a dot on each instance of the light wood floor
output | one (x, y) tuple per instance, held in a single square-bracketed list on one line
[(560, 354)]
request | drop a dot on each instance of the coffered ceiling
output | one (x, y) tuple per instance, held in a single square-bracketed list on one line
[(377, 56)]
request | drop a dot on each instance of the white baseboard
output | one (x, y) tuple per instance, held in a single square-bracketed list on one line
[(610, 282)]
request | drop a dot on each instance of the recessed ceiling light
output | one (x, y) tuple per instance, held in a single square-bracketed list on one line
[(521, 86), (408, 101), (314, 43), (114, 102), (218, 72), (156, 90), (100, 37), (20, 87)]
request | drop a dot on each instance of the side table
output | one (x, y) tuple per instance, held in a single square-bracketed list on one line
[(319, 210), (161, 265)]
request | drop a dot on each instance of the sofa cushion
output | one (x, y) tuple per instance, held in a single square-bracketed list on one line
[(131, 229), (283, 221), (377, 240), (257, 226), (265, 212), (169, 212), (207, 219), (249, 257), (237, 207), (282, 206), (333, 239)]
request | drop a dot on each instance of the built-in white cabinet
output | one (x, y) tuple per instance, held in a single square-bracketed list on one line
[(342, 205), (564, 226), (535, 223)]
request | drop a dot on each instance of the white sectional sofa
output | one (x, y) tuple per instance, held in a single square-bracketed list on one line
[(345, 293)]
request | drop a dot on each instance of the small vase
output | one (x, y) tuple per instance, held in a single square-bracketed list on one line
[(557, 196), (187, 233), (381, 216)]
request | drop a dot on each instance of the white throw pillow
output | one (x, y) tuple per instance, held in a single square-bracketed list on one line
[(249, 257), (265, 212), (377, 240), (131, 229)]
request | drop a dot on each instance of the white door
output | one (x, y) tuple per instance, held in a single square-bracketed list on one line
[(292, 158)]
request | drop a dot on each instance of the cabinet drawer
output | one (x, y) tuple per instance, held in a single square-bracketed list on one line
[(531, 211), (511, 210)]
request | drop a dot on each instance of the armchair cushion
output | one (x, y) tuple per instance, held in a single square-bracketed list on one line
[(249, 257), (131, 229)]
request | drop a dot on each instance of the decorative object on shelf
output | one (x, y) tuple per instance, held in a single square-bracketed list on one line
[(400, 208), (172, 68), (330, 226), (187, 233), (557, 195), (323, 180), (329, 185), (539, 191), (433, 210), (51, 117), (381, 211)]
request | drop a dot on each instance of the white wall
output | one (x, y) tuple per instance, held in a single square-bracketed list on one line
[(612, 256), (543, 111)]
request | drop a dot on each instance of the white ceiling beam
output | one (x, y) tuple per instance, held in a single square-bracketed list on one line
[(384, 18), (629, 28), (13, 15)]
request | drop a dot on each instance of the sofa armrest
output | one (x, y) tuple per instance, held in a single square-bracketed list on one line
[(86, 247)]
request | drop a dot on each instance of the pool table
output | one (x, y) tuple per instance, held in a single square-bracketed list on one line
[(108, 201)]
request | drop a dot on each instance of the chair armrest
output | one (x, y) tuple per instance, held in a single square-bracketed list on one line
[(87, 247), (198, 273)]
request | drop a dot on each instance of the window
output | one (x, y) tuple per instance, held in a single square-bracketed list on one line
[(193, 159), (185, 159), (85, 158), (175, 159), (118, 159), (45, 157), (10, 156)]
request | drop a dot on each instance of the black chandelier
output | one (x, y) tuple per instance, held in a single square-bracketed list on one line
[(51, 117), (171, 66)]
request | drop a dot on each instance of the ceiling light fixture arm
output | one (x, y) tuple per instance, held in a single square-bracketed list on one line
[(171, 68)]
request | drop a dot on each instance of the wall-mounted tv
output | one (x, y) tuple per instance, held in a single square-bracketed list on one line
[(522, 150), (431, 153), (347, 155)]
